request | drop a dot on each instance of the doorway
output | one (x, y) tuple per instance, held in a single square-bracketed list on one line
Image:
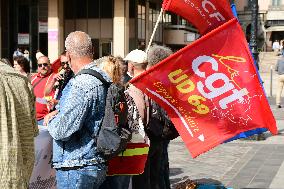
[(105, 48)]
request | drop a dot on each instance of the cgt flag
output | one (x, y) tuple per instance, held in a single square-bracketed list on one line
[(210, 89), (205, 15)]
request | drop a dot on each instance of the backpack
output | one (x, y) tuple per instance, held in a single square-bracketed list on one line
[(114, 132), (159, 126)]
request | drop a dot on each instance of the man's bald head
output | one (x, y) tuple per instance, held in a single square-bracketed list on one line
[(44, 59), (79, 44)]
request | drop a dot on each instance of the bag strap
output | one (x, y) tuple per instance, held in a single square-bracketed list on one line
[(99, 77), (95, 74), (35, 84)]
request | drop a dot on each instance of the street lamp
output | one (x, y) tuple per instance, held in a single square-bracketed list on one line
[(253, 37)]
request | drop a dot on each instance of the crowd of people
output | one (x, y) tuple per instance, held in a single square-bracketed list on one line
[(277, 47), (72, 107)]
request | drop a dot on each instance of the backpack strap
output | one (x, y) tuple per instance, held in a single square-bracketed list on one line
[(95, 74)]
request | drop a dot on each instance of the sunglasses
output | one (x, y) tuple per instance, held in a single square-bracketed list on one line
[(63, 63), (43, 64)]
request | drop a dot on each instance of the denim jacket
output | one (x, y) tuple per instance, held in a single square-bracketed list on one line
[(75, 127)]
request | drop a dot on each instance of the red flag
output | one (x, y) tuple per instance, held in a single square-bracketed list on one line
[(56, 65), (210, 89), (205, 15)]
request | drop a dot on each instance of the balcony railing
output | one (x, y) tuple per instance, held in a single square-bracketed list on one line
[(274, 23), (169, 26)]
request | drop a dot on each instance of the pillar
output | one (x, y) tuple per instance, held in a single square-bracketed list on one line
[(55, 29), (269, 43), (121, 28), (0, 29)]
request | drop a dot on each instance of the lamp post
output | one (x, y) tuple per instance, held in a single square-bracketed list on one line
[(253, 37), (253, 43)]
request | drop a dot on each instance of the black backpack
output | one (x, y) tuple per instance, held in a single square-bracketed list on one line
[(159, 126), (114, 131)]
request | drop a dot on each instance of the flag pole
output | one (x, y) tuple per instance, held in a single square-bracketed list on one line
[(155, 28)]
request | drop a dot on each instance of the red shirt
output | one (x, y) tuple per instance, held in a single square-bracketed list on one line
[(39, 83)]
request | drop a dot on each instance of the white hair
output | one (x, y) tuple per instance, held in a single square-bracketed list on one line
[(79, 44), (157, 53)]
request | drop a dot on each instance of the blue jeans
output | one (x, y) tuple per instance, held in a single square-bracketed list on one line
[(90, 177), (40, 122)]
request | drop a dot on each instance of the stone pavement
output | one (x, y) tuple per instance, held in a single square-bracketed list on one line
[(238, 164)]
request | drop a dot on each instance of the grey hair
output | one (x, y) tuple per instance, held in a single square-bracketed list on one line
[(79, 44), (157, 53)]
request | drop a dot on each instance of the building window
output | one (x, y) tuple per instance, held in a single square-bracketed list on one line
[(276, 2), (81, 9), (69, 9), (23, 19), (167, 18), (183, 22), (74, 9), (275, 22), (132, 10), (93, 9), (106, 8), (153, 17), (141, 19), (92, 17)]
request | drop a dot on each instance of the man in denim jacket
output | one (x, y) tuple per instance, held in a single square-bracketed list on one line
[(75, 127)]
